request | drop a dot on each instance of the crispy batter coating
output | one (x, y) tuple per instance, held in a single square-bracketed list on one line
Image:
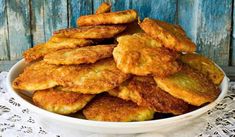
[(119, 17), (91, 32), (90, 79), (189, 85), (172, 36), (103, 8), (204, 65), (131, 28), (66, 42), (89, 54), (145, 92), (108, 108), (141, 55), (35, 53), (54, 44), (60, 102), (36, 77)]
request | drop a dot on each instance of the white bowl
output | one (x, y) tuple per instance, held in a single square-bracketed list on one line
[(160, 125)]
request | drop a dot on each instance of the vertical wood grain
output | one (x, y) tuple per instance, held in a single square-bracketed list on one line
[(78, 8), (3, 31), (19, 27), (187, 17), (117, 5), (208, 23), (159, 9), (233, 37), (213, 29), (37, 21), (97, 3), (55, 16)]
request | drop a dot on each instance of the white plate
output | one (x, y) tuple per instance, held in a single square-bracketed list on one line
[(161, 125)]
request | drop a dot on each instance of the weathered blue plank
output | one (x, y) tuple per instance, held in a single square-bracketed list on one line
[(19, 27), (3, 31), (213, 29), (159, 9), (55, 16), (233, 37), (37, 21), (187, 17), (117, 5), (97, 3), (78, 8)]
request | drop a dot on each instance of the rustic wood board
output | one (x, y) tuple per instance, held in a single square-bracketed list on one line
[(160, 9), (117, 5), (213, 29), (37, 21), (233, 38), (4, 53), (6, 65), (78, 8), (187, 17), (145, 8), (19, 27), (55, 16), (208, 23)]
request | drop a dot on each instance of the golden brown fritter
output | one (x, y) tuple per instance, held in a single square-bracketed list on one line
[(89, 54), (91, 32), (141, 55), (189, 85), (60, 102), (131, 28), (90, 79), (145, 92), (36, 77), (37, 52), (108, 108), (54, 44), (204, 65), (103, 8), (119, 17), (172, 36), (67, 43)]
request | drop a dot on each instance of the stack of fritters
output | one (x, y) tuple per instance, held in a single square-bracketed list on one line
[(113, 68)]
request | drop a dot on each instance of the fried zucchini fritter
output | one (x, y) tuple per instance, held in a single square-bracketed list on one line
[(131, 28), (89, 54), (119, 17), (145, 92), (37, 52), (91, 32), (52, 45), (141, 55), (108, 108), (172, 36), (90, 79), (204, 65), (103, 8), (67, 43), (189, 85), (60, 102), (36, 77)]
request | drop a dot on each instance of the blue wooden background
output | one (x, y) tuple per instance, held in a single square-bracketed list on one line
[(209, 23)]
